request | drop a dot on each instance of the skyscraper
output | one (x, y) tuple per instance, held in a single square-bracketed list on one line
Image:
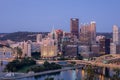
[(85, 33), (74, 26), (115, 46), (104, 46), (93, 31), (116, 34), (88, 33)]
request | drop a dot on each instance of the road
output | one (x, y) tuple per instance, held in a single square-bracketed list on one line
[(100, 64)]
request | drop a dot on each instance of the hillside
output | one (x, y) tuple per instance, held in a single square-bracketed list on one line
[(107, 35), (21, 36), (24, 36)]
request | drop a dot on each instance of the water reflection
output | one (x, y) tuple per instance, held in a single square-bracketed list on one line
[(83, 74), (2, 61), (2, 65), (77, 74)]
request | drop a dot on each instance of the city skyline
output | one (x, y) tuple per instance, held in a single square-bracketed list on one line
[(41, 16), (75, 39)]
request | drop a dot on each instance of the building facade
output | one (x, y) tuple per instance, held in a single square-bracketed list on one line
[(26, 48), (39, 38), (104, 46), (48, 48), (115, 45), (74, 26), (88, 33), (116, 34)]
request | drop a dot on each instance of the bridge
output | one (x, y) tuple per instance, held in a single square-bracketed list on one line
[(93, 63), (36, 74), (97, 62)]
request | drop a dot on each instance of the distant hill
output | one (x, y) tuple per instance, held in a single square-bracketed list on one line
[(107, 35), (24, 36), (21, 36)]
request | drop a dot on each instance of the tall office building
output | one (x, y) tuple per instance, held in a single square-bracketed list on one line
[(104, 46), (115, 46), (116, 34), (93, 31), (88, 33), (74, 25), (85, 34)]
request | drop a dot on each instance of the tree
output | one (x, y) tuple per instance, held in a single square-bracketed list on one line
[(116, 76), (36, 55), (18, 64), (46, 64), (19, 52), (90, 73), (13, 66)]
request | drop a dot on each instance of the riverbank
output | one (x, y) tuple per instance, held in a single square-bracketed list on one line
[(25, 75)]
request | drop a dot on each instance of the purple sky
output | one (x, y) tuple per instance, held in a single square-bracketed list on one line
[(42, 15)]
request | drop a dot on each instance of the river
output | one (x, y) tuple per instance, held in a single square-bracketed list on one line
[(77, 74), (2, 62)]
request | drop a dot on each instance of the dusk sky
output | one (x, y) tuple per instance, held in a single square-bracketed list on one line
[(42, 15)]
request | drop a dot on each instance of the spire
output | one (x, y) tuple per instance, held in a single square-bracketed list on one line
[(53, 33), (53, 29)]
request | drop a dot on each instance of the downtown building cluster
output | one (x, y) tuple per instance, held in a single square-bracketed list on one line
[(82, 40)]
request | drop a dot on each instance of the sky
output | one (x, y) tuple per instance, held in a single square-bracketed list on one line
[(42, 15)]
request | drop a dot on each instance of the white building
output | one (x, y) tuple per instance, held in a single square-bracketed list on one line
[(48, 48), (112, 48), (15, 45), (26, 48), (93, 31), (39, 38), (49, 45), (6, 52), (116, 34), (98, 38), (29, 50), (115, 46)]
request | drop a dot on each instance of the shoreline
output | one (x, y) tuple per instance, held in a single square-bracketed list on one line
[(25, 75)]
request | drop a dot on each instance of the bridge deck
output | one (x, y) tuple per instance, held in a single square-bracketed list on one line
[(35, 74)]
